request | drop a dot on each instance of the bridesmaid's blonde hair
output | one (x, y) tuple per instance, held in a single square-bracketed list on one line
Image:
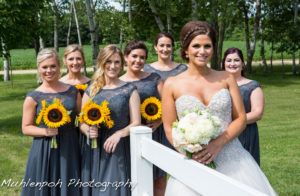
[(42, 55), (73, 48), (98, 79)]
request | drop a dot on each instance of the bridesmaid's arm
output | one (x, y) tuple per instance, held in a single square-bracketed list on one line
[(168, 108), (28, 127), (78, 103), (234, 129), (160, 86), (135, 119), (257, 106), (83, 126)]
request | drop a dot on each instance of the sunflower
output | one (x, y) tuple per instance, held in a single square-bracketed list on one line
[(55, 115), (93, 113), (40, 116), (151, 109), (81, 88)]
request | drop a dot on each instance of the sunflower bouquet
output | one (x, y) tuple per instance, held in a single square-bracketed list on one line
[(151, 109), (53, 115), (81, 88), (94, 114)]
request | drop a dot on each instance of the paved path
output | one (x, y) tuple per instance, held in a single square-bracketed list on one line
[(90, 69)]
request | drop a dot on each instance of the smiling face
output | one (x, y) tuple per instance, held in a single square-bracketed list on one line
[(74, 61), (49, 69), (136, 59), (200, 50), (233, 63), (164, 48), (113, 66)]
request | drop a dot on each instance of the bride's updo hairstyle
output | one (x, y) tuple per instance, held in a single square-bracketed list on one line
[(192, 29), (98, 79)]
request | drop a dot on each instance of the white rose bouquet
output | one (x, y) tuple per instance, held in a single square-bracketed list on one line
[(194, 130)]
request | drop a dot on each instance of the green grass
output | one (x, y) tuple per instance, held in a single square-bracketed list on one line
[(26, 59), (279, 130)]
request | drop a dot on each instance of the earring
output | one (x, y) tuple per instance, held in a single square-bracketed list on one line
[(186, 56)]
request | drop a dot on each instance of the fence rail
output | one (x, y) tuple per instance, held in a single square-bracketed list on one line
[(204, 180)]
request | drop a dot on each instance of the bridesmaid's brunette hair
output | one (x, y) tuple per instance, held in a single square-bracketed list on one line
[(73, 48), (98, 79), (163, 34), (232, 51), (192, 29), (135, 44), (42, 55)]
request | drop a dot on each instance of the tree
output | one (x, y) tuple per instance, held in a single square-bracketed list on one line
[(194, 10), (156, 16), (56, 47), (294, 44), (93, 31)]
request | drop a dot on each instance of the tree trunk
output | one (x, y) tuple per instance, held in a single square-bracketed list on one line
[(215, 25), (262, 47), (36, 46), (282, 63), (129, 12), (42, 44), (221, 40), (77, 23), (254, 33), (93, 32), (194, 10), (156, 16), (121, 31), (70, 23), (169, 22), (272, 50), (55, 27), (246, 20), (293, 45), (5, 62)]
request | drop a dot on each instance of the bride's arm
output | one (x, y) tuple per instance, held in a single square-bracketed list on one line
[(234, 129), (168, 108)]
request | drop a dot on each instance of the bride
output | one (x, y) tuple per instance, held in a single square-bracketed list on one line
[(218, 92)]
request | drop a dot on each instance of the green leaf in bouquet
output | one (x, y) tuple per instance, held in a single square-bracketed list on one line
[(69, 112), (76, 121), (175, 124)]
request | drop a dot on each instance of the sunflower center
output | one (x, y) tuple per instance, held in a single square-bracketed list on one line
[(55, 115), (94, 114), (151, 109)]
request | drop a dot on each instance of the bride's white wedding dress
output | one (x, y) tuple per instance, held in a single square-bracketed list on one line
[(233, 160)]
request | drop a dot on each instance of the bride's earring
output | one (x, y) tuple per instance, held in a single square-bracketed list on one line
[(186, 56)]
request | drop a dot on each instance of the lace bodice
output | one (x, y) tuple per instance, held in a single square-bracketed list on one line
[(220, 105), (246, 90), (147, 87), (67, 98), (165, 74)]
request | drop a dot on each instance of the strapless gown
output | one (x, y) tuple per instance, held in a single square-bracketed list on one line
[(233, 160)]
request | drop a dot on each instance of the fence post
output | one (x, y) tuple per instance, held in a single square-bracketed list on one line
[(141, 169)]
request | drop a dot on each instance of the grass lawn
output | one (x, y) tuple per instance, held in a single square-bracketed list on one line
[(279, 131), (26, 59)]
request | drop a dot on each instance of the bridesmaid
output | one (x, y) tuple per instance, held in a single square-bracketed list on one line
[(148, 85), (164, 45), (54, 167), (109, 164), (74, 60), (253, 99)]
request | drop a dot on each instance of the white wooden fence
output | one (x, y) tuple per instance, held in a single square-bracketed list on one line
[(204, 180)]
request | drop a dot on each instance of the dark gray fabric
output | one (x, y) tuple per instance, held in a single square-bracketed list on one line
[(61, 165), (250, 137), (147, 87), (165, 74), (101, 167)]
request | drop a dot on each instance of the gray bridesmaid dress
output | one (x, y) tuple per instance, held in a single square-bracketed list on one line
[(109, 173), (147, 87), (59, 166), (249, 137)]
